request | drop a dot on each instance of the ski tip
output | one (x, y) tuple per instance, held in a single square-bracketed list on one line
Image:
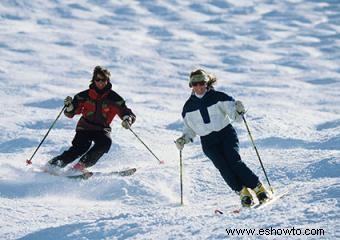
[(218, 212), (236, 211), (83, 176), (128, 172)]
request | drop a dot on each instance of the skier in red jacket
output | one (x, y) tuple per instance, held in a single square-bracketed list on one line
[(98, 105)]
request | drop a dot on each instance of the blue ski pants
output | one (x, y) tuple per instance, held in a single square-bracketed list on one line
[(223, 149)]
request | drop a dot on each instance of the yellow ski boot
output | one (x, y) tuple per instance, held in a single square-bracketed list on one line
[(246, 198), (261, 193)]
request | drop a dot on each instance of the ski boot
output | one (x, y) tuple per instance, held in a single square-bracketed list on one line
[(79, 169), (55, 162), (261, 193), (54, 165), (246, 197)]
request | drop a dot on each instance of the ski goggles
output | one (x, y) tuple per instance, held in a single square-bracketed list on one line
[(101, 78), (198, 83)]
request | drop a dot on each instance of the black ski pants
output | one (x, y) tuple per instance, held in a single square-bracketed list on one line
[(223, 149), (81, 146)]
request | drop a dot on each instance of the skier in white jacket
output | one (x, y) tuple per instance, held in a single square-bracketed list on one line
[(209, 113)]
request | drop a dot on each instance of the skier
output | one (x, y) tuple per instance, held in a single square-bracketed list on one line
[(98, 105), (209, 113)]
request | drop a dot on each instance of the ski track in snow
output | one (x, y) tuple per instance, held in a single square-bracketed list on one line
[(280, 57)]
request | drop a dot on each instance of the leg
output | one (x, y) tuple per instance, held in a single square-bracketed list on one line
[(80, 144), (215, 153), (102, 144), (231, 153)]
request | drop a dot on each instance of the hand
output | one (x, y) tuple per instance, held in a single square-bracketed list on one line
[(180, 142), (68, 104), (127, 122), (240, 108)]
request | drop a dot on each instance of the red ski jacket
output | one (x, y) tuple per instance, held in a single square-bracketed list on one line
[(98, 108)]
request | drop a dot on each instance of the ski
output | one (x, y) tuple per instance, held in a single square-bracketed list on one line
[(272, 200), (87, 175), (256, 205), (235, 210)]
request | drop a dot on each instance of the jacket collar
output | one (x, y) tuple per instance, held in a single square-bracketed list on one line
[(95, 93), (209, 90)]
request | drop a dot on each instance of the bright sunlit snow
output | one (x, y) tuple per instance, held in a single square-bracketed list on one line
[(280, 57)]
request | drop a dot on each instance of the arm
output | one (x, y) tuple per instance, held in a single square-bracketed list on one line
[(233, 109), (77, 103), (187, 136), (127, 116), (122, 110), (70, 106), (188, 133)]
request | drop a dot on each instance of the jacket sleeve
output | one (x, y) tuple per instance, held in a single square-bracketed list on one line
[(188, 133), (228, 107), (75, 105), (123, 111), (126, 112)]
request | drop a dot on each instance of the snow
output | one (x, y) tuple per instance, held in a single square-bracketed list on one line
[(280, 57)]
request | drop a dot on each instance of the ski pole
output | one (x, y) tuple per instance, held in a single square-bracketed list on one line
[(29, 161), (161, 162), (181, 174), (257, 153)]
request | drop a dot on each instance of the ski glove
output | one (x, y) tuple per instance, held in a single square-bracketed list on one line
[(240, 108), (180, 142), (68, 104), (127, 121)]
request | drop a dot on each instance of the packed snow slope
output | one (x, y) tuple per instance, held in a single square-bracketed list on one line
[(280, 57)]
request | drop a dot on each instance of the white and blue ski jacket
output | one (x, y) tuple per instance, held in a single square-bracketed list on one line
[(211, 113)]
